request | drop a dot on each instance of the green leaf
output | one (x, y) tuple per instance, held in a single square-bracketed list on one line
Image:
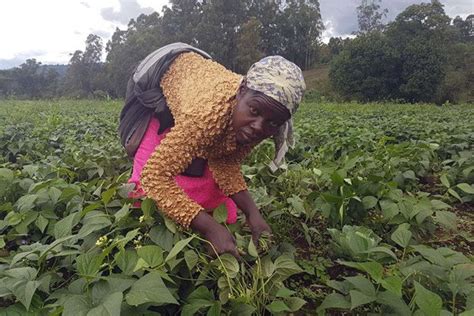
[(455, 194), (445, 181), (161, 236), (268, 267), (362, 284), (334, 300), (26, 273), (369, 202), (215, 309), (6, 174), (359, 298), (24, 290), (94, 221), (200, 294), (170, 225), (338, 176), (107, 195), (409, 174), (447, 219), (402, 236), (122, 213), (178, 247), (240, 309), (229, 263), (26, 202), (396, 303), (88, 264), (439, 205), (54, 195), (374, 269), (430, 303), (17, 310), (147, 207), (192, 309), (393, 284), (76, 305), (382, 249), (469, 189), (63, 227), (389, 209), (295, 303), (153, 255), (285, 266), (41, 223), (13, 218), (110, 306), (277, 307), (150, 289), (220, 214), (284, 292), (252, 250), (126, 261), (191, 259)]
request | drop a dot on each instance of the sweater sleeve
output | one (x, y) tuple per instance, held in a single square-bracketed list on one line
[(227, 172), (171, 157)]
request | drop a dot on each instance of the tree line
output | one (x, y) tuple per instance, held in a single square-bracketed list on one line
[(421, 56), (235, 33)]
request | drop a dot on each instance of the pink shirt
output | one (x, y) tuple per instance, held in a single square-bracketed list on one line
[(203, 190)]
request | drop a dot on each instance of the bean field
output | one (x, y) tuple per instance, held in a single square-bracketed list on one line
[(372, 214)]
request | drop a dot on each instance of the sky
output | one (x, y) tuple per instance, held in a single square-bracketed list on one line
[(50, 30)]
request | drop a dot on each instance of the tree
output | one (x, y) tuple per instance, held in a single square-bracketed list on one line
[(422, 36), (269, 14), (28, 79), (181, 20), (464, 28), (408, 61), (218, 29), (84, 68), (367, 69), (248, 43), (300, 27), (128, 47), (369, 16)]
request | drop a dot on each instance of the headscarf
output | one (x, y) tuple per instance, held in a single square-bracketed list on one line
[(283, 81)]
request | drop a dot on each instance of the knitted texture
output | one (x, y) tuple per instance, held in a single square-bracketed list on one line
[(201, 95), (203, 190)]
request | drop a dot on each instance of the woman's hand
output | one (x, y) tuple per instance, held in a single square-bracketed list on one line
[(220, 238), (257, 226), (222, 241)]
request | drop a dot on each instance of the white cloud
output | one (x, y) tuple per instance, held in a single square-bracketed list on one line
[(49, 30), (340, 16)]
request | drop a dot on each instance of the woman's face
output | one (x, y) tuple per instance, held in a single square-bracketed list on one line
[(256, 116)]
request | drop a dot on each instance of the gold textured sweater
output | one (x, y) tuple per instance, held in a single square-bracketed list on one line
[(201, 95)]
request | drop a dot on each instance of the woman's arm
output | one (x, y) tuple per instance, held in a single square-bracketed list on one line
[(245, 202)]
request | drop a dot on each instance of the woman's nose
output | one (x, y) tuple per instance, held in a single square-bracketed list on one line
[(257, 125)]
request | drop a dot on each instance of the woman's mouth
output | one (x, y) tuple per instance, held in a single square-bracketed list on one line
[(246, 137)]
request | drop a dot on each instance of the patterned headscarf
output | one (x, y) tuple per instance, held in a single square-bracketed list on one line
[(283, 81)]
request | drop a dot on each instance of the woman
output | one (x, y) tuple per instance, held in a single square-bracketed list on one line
[(216, 118)]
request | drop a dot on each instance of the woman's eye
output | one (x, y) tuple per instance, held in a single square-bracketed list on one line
[(253, 110), (273, 124)]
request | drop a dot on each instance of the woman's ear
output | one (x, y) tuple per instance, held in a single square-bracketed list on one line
[(242, 89)]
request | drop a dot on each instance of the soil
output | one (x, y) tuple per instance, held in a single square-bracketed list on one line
[(462, 239)]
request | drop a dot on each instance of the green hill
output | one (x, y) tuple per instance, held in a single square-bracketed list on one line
[(317, 82), (316, 77)]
